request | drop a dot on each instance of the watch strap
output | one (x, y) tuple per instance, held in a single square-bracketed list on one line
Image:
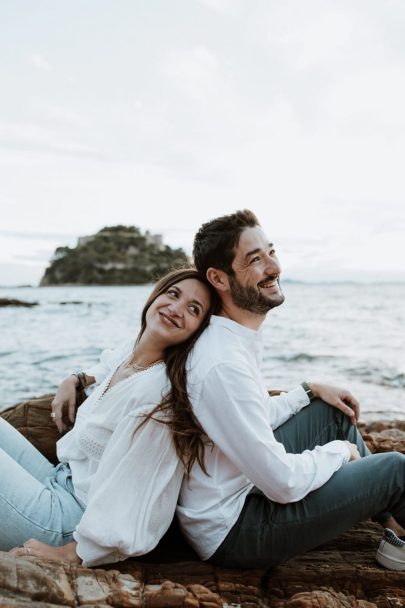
[(308, 390)]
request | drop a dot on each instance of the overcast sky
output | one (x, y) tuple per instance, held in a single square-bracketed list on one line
[(164, 114)]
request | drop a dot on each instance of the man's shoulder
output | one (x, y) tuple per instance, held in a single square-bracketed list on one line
[(216, 338), (209, 348), (223, 342)]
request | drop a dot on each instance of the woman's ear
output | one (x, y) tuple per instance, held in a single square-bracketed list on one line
[(218, 279)]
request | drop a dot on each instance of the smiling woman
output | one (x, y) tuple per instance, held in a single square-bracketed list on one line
[(180, 308), (131, 443)]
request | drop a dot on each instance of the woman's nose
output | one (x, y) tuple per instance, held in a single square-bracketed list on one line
[(175, 309)]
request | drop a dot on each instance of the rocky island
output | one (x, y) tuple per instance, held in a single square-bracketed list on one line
[(116, 255)]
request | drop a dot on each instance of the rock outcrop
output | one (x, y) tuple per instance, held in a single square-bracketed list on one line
[(12, 302), (341, 574)]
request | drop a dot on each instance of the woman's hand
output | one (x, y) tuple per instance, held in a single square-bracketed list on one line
[(34, 548), (65, 398)]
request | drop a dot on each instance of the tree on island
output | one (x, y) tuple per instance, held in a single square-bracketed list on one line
[(116, 255)]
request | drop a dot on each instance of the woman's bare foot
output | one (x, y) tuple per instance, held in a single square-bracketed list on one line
[(35, 548)]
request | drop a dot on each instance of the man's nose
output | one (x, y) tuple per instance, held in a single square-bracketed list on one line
[(272, 264)]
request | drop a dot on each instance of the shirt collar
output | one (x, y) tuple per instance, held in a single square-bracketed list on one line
[(237, 328)]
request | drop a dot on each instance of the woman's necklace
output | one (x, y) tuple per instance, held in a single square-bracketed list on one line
[(140, 368), (126, 364)]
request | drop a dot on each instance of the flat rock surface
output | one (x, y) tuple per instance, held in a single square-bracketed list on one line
[(341, 574)]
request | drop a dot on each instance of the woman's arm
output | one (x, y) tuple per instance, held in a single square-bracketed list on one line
[(66, 397), (35, 548), (138, 478)]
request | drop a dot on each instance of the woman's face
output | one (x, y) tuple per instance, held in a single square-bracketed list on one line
[(176, 314)]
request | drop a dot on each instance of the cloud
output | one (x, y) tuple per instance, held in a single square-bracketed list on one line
[(306, 35), (224, 7), (39, 62), (367, 101), (67, 116), (42, 236), (196, 71), (31, 137)]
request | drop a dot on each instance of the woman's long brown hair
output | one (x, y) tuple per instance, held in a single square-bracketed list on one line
[(187, 433)]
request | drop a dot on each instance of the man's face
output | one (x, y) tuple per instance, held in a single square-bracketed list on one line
[(255, 286)]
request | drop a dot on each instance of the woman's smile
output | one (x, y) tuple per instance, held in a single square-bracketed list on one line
[(168, 320)]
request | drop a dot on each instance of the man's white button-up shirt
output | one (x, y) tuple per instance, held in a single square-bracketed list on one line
[(232, 404)]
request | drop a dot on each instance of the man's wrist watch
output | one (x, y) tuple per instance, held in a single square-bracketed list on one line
[(308, 390)]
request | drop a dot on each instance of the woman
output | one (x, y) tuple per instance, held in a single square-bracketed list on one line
[(114, 493)]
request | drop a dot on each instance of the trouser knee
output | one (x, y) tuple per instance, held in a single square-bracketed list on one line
[(389, 470), (333, 414), (395, 465)]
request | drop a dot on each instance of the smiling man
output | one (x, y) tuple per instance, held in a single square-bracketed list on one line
[(285, 473)]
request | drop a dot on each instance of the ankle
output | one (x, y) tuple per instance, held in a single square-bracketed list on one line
[(393, 525)]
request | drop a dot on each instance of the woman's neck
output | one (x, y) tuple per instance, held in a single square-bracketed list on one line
[(146, 352)]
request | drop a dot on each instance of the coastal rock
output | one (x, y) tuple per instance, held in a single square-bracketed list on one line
[(340, 574), (384, 436), (12, 302)]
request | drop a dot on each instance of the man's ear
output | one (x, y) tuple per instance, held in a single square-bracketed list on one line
[(218, 279)]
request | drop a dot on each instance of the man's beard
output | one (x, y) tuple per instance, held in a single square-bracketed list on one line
[(251, 299)]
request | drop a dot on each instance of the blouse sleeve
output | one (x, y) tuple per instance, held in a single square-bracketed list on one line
[(133, 494), (109, 359)]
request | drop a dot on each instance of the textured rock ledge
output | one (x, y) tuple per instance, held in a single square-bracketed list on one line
[(342, 574)]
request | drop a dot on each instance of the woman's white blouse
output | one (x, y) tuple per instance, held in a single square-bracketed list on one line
[(128, 479)]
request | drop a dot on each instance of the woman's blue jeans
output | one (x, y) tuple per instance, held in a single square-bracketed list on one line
[(36, 498), (268, 533)]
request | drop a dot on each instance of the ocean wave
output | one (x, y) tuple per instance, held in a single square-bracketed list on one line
[(373, 374), (299, 357), (51, 359)]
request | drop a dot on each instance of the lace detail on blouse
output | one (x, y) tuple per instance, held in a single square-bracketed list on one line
[(90, 447)]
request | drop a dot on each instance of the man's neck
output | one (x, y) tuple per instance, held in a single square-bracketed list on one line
[(241, 316)]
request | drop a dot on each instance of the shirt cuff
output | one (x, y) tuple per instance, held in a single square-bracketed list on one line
[(337, 446), (93, 554), (298, 399)]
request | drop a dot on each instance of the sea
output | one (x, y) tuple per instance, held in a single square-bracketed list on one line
[(347, 334)]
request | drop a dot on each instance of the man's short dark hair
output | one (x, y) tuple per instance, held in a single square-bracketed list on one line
[(216, 241)]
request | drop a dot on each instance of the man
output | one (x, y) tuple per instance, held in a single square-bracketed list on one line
[(285, 474)]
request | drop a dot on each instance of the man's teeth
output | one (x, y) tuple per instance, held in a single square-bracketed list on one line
[(268, 284)]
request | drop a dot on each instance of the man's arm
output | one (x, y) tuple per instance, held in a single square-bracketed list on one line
[(233, 411), (285, 405)]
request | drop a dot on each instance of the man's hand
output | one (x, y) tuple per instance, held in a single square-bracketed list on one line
[(65, 398), (337, 397), (35, 548), (354, 451)]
